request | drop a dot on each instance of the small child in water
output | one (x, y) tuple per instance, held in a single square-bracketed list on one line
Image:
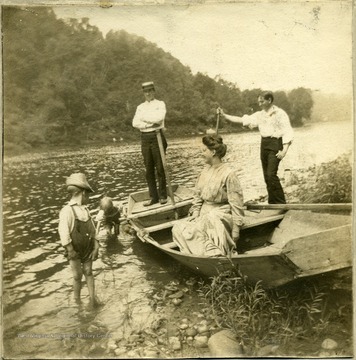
[(109, 216)]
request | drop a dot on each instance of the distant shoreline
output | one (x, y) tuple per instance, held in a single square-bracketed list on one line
[(133, 140)]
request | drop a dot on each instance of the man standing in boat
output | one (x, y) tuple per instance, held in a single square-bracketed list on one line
[(276, 137), (149, 118)]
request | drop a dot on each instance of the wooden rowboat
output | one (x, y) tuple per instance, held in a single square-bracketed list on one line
[(275, 247)]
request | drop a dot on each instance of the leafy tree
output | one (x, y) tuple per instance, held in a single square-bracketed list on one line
[(63, 80), (250, 100), (301, 104), (281, 100)]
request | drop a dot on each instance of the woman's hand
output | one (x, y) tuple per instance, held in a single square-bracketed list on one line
[(236, 235)]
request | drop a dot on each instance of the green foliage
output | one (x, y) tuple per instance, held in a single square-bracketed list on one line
[(327, 183), (61, 77), (301, 104), (261, 317)]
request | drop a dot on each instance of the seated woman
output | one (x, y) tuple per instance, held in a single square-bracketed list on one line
[(215, 218)]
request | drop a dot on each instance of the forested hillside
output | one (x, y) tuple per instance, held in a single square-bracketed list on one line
[(64, 83)]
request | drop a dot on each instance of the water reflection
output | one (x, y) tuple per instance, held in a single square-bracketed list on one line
[(37, 280)]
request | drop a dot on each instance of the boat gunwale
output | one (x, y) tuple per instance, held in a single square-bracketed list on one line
[(250, 253)]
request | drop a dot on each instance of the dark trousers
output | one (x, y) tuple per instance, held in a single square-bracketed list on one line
[(152, 160), (270, 163)]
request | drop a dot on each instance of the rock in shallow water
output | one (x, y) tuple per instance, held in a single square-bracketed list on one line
[(201, 341), (191, 332), (202, 328), (176, 295), (174, 342), (267, 350), (176, 302), (150, 353), (112, 344), (224, 344), (120, 351), (329, 344), (133, 353)]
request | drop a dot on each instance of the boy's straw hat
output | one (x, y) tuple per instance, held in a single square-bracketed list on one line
[(79, 180)]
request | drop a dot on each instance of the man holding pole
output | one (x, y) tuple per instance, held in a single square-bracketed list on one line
[(149, 119), (276, 137)]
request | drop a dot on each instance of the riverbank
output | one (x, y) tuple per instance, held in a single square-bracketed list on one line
[(314, 316), (127, 139), (37, 282), (17, 151)]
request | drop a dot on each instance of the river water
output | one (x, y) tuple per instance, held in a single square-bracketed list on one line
[(40, 317)]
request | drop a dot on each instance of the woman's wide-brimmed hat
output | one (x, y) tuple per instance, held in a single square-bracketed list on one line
[(79, 180)]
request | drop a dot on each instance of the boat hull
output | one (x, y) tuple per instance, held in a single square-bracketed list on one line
[(274, 248)]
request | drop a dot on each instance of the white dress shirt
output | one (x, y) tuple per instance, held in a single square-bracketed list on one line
[(150, 116), (271, 123)]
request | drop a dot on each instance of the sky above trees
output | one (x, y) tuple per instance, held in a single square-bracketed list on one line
[(269, 45)]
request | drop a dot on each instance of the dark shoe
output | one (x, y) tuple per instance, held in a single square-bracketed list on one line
[(163, 201), (150, 202)]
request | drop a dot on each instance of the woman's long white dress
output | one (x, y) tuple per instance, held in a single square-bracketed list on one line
[(219, 205)]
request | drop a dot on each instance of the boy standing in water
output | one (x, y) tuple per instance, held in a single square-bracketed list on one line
[(77, 233)]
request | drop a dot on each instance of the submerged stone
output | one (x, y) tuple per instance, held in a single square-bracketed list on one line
[(151, 353), (174, 342), (224, 344), (191, 332), (202, 328), (267, 350), (112, 344), (329, 344), (176, 302), (176, 295), (183, 326), (120, 351), (201, 341)]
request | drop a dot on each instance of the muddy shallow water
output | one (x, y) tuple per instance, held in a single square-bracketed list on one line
[(40, 317)]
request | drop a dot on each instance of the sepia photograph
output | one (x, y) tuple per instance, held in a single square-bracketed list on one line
[(177, 179)]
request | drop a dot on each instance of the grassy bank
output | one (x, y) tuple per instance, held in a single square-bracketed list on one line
[(294, 320), (308, 318), (329, 182)]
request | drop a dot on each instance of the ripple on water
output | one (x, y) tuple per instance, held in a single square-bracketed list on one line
[(37, 278), (22, 279), (22, 257)]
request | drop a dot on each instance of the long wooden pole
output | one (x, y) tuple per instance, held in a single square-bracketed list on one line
[(163, 157), (217, 121), (326, 207)]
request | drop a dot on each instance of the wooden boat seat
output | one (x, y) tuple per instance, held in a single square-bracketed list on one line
[(157, 209), (254, 222), (158, 227), (170, 245), (260, 221)]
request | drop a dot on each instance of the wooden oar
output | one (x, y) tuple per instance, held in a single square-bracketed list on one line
[(163, 157), (326, 207)]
